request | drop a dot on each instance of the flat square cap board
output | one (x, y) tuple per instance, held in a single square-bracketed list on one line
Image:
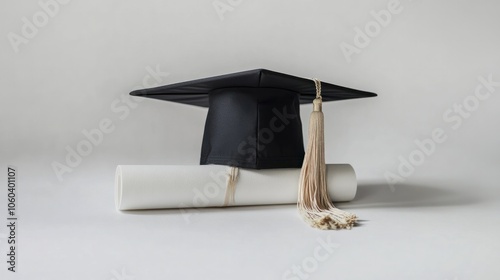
[(196, 92), (253, 119)]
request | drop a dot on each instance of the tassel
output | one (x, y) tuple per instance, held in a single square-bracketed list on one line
[(314, 203), (232, 177)]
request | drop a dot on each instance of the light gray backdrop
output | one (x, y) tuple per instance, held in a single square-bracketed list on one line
[(425, 151)]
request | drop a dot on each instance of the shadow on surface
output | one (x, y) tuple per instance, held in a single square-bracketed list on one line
[(188, 211), (406, 195)]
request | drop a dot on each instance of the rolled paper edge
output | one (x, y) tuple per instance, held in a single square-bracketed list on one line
[(118, 188), (352, 177)]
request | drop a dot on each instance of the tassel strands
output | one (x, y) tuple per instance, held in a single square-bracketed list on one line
[(232, 177), (314, 203)]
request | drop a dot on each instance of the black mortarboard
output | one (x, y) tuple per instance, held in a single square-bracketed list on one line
[(254, 117)]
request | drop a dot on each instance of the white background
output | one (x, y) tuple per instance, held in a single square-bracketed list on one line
[(440, 222)]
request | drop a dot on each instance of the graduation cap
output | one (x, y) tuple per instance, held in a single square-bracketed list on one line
[(253, 121)]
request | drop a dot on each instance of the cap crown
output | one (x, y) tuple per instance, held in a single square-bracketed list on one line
[(253, 128)]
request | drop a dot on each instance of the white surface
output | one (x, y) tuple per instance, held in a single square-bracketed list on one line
[(443, 230), (182, 186), (442, 222)]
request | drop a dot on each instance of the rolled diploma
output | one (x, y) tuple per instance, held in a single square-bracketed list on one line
[(187, 186)]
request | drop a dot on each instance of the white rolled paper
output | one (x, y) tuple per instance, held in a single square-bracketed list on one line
[(185, 186)]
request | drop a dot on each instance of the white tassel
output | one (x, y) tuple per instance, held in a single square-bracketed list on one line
[(314, 203)]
